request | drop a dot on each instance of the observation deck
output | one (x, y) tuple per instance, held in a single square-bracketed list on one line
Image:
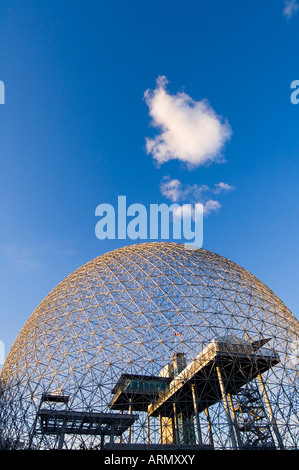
[(137, 391), (182, 391), (238, 363), (76, 422)]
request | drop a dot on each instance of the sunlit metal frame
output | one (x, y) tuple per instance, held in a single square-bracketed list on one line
[(126, 313)]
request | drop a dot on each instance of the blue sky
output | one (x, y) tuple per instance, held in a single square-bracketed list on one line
[(76, 122)]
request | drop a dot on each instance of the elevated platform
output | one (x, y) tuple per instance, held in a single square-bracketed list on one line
[(237, 363), (227, 366), (76, 422), (138, 391), (57, 397)]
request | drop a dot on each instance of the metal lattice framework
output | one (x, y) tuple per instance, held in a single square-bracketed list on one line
[(154, 345)]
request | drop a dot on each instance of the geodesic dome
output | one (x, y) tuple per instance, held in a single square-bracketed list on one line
[(154, 345)]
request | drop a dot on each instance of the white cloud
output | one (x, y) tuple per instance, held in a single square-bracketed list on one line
[(290, 8), (183, 211), (219, 187), (211, 206), (174, 190), (187, 211), (190, 131)]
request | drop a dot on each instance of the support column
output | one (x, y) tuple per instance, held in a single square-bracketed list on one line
[(227, 411), (234, 420), (199, 435), (130, 428), (148, 429), (102, 442), (175, 425), (121, 436), (166, 425), (271, 414), (62, 434), (33, 430), (112, 436), (209, 427)]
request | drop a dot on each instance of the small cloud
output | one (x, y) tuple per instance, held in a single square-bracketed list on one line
[(188, 211), (190, 131), (171, 189), (183, 211), (290, 8), (219, 187), (211, 206), (175, 191)]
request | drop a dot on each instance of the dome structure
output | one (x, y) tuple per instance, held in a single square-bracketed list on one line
[(154, 345)]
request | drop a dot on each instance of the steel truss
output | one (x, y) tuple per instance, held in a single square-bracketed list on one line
[(117, 321)]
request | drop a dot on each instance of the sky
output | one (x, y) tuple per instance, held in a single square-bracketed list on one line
[(159, 101)]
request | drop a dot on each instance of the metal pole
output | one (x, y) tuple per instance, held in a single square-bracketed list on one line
[(62, 433), (175, 425), (112, 436), (148, 430), (271, 414), (121, 436), (34, 424), (226, 407), (199, 436), (161, 430), (234, 420), (130, 412), (209, 427)]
